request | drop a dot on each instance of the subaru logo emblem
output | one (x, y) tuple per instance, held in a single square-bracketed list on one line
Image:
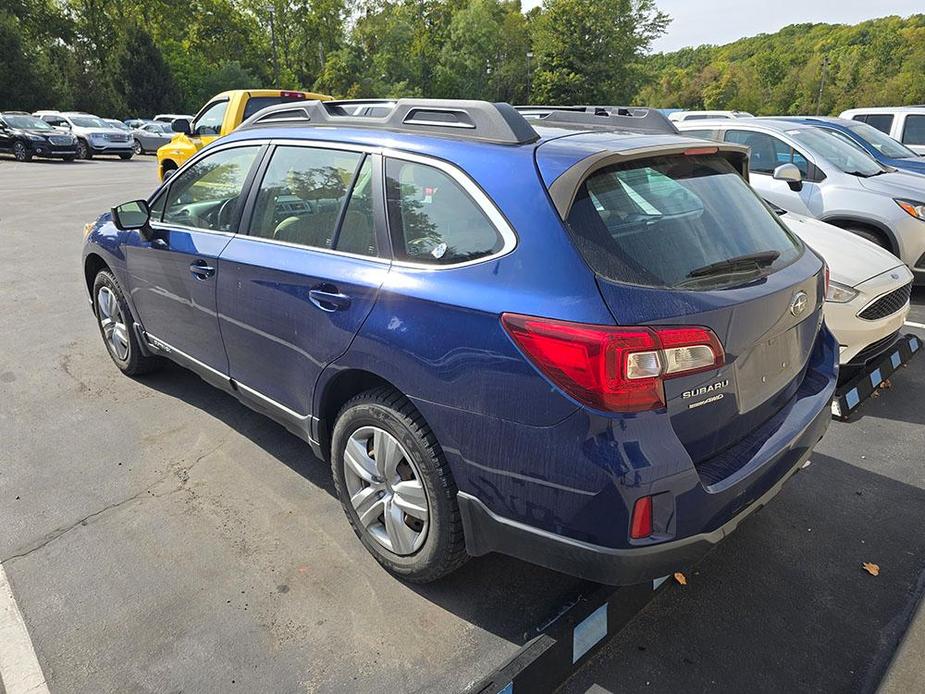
[(798, 303)]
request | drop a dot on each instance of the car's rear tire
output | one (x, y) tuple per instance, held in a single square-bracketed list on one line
[(396, 487), (125, 156), (137, 148), (114, 319), (68, 157), (21, 152), (83, 150)]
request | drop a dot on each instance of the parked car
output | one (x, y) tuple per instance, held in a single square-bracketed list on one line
[(94, 135), (25, 136), (591, 346), (133, 123), (150, 136), (877, 144), (903, 123), (867, 302), (170, 117), (223, 113), (117, 124), (802, 169), (681, 116)]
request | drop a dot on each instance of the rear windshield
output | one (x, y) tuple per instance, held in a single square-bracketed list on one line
[(673, 221), (256, 103)]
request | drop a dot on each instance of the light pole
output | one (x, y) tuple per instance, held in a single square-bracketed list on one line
[(529, 85), (825, 64)]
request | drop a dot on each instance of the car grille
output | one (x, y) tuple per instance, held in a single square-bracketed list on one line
[(117, 137), (888, 304), (60, 140)]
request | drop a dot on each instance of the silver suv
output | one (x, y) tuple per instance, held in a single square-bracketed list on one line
[(94, 135), (807, 171)]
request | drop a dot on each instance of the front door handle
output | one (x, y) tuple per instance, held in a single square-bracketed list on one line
[(201, 270), (327, 298)]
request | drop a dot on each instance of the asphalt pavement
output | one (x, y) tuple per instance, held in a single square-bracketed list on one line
[(160, 537)]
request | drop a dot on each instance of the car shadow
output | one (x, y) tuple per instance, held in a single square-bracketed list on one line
[(505, 596)]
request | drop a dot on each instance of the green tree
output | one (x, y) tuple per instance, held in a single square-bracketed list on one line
[(141, 76), (589, 51)]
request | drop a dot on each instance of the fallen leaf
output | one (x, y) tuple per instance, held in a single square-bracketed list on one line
[(680, 578), (875, 394), (872, 569), (887, 384)]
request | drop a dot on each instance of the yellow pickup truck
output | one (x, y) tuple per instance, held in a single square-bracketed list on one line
[(223, 113)]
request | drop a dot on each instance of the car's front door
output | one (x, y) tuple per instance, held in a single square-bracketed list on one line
[(173, 274), (6, 138), (294, 291), (766, 153)]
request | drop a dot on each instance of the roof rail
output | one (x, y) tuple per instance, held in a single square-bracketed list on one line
[(497, 123), (634, 118)]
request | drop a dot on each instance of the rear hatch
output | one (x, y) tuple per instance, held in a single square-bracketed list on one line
[(680, 239)]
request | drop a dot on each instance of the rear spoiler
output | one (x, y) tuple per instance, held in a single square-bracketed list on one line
[(565, 188)]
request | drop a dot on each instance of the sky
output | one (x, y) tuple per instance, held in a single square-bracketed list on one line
[(721, 21)]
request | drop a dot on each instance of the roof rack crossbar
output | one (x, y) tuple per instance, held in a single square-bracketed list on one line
[(634, 118), (497, 123)]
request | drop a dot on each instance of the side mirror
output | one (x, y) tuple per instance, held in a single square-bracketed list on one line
[(130, 216), (791, 174), (181, 125)]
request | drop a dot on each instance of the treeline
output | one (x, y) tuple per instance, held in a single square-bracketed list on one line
[(880, 62), (138, 57), (115, 57)]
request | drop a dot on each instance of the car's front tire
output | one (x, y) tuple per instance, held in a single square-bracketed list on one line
[(83, 150), (21, 152), (137, 148), (68, 157), (872, 236), (125, 156), (116, 325), (396, 487)]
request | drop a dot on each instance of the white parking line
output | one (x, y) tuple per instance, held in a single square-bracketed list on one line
[(915, 325), (19, 668)]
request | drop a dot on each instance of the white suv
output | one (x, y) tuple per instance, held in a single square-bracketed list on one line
[(903, 123), (681, 116), (94, 135)]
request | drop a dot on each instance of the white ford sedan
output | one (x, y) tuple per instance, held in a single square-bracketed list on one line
[(868, 298)]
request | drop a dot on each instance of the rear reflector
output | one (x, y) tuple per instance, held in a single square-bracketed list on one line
[(616, 369), (641, 522)]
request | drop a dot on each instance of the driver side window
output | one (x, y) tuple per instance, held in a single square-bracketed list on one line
[(207, 194), (210, 122)]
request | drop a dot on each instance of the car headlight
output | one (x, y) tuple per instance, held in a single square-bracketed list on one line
[(916, 209), (36, 138), (840, 293)]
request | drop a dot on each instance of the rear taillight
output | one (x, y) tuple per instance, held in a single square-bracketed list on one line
[(617, 369), (641, 520), (292, 95)]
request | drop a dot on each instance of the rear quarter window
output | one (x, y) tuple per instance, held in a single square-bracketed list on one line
[(653, 222)]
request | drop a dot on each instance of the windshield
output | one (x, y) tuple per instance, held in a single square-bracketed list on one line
[(89, 122), (882, 142), (27, 123), (846, 157), (162, 127), (659, 222)]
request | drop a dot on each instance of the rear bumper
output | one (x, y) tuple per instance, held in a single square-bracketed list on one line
[(486, 532)]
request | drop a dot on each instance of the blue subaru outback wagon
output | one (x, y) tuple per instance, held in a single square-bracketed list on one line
[(574, 337)]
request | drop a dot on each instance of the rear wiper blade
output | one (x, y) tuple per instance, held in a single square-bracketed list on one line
[(758, 260)]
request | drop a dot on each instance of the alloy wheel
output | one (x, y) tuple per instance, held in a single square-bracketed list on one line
[(19, 151), (112, 323), (386, 490), (136, 147)]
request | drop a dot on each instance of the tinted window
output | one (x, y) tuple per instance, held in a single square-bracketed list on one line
[(432, 219), (881, 121), (914, 131), (766, 152), (357, 232), (302, 193), (704, 116), (703, 134), (653, 222), (210, 122), (207, 194), (255, 103), (55, 120)]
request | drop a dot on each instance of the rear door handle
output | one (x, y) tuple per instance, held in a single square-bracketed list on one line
[(327, 298), (201, 269)]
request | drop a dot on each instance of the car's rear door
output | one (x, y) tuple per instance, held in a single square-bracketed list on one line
[(173, 274), (294, 291)]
